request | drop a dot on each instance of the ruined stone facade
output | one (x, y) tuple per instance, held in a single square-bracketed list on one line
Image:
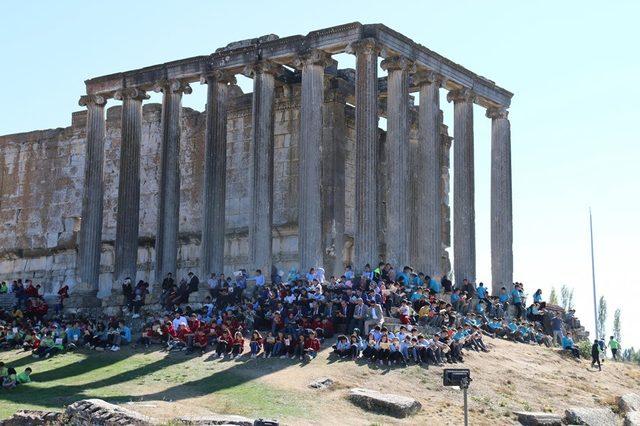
[(41, 216), (308, 179)]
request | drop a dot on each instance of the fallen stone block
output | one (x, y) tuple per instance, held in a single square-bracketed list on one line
[(215, 419), (632, 418), (531, 418), (629, 402), (97, 412), (389, 404), (322, 383), (590, 416)]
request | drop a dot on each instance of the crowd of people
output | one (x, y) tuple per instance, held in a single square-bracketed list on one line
[(380, 316)]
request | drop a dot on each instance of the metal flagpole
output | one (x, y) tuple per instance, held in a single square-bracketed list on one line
[(593, 276)]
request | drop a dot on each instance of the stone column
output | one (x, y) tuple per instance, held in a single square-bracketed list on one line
[(127, 219), (309, 189), (366, 238), (169, 183), (215, 172), (261, 168), (397, 153), (501, 201), (90, 240), (428, 230), (333, 179), (464, 234)]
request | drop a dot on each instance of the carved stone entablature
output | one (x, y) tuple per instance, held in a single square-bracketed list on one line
[(219, 76), (428, 77), (261, 67), (497, 112), (461, 95), (398, 63), (366, 46), (172, 86), (312, 57), (131, 93), (86, 100)]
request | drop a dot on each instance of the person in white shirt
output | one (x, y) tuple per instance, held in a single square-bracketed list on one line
[(258, 278), (177, 320)]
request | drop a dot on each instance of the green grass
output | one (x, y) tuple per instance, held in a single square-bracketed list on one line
[(222, 387)]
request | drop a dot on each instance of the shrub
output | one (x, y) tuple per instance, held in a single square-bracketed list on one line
[(585, 348)]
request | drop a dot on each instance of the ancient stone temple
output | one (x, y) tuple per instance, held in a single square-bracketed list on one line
[(297, 173)]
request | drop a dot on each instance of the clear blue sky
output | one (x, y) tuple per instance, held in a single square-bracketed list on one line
[(573, 66)]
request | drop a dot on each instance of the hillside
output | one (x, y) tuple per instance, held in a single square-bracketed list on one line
[(511, 377)]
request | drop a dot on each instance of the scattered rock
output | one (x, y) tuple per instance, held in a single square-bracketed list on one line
[(97, 412), (590, 416), (530, 418), (392, 405), (322, 383), (33, 418), (215, 419), (629, 402), (632, 418)]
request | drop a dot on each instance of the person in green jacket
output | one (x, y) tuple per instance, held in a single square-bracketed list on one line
[(25, 376), (4, 371), (614, 345)]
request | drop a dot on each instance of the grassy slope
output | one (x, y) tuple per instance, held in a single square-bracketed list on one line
[(511, 377)]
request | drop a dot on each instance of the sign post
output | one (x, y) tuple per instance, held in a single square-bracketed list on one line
[(460, 377)]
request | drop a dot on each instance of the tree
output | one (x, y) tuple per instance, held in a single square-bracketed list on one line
[(553, 297), (566, 297), (617, 324), (602, 317)]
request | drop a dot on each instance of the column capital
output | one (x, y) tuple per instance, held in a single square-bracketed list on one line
[(398, 63), (428, 77), (86, 100), (261, 67), (219, 76), (366, 45), (461, 95), (497, 112), (130, 93), (312, 57), (172, 86)]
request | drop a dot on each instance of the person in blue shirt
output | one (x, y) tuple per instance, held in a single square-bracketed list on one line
[(434, 285), (481, 291), (537, 296), (516, 298), (503, 296), (567, 344)]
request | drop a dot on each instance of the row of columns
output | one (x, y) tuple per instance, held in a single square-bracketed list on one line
[(427, 224), (312, 63)]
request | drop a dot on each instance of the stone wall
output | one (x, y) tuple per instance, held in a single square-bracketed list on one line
[(41, 191)]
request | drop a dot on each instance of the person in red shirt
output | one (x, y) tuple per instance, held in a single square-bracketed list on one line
[(225, 342), (238, 345), (201, 340), (311, 347)]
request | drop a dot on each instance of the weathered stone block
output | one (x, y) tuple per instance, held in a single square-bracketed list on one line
[(527, 418), (629, 402), (389, 404), (590, 416)]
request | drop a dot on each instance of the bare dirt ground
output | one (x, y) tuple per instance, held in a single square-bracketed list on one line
[(512, 377)]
